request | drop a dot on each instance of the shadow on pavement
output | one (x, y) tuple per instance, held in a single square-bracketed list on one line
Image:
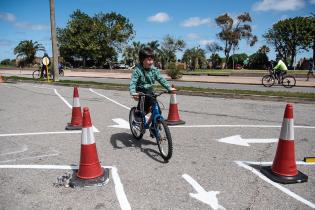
[(128, 141)]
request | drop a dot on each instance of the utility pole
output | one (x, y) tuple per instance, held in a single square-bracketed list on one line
[(54, 40)]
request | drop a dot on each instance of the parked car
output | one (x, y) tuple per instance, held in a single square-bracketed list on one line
[(121, 66)]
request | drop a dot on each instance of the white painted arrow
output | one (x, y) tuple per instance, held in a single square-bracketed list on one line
[(121, 123), (238, 140), (209, 198)]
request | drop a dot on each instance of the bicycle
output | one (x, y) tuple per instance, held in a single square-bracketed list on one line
[(36, 74), (158, 127), (288, 81)]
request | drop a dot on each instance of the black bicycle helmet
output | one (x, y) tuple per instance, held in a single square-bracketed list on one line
[(145, 52)]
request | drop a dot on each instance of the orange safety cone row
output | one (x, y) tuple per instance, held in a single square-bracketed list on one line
[(173, 115), (90, 170), (283, 169), (76, 118)]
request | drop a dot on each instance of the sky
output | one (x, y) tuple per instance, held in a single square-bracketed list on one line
[(192, 21)]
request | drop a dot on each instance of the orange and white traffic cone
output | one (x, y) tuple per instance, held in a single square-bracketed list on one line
[(283, 169), (173, 115), (90, 171), (76, 118)]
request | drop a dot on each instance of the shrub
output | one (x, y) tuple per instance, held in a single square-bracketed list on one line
[(174, 71), (5, 62)]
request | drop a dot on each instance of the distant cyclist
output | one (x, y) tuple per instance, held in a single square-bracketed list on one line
[(280, 68), (143, 78)]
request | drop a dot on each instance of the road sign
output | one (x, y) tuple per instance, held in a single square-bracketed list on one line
[(45, 61)]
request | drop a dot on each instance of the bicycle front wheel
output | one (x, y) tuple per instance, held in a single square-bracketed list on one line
[(164, 139), (268, 80), (288, 81), (135, 126), (36, 74)]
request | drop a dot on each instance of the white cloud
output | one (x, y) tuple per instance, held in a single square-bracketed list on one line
[(278, 5), (36, 27), (196, 21), (204, 42), (312, 1), (9, 17), (159, 17), (193, 36)]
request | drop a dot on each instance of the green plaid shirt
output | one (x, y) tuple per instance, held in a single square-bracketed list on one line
[(143, 80)]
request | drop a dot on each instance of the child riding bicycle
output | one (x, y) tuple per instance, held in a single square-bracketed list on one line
[(143, 78)]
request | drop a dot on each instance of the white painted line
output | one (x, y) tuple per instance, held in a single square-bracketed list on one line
[(63, 99), (121, 123), (280, 187), (119, 104), (24, 148), (57, 167), (236, 126), (119, 189), (70, 106), (209, 198), (40, 133), (270, 163), (238, 140), (32, 157)]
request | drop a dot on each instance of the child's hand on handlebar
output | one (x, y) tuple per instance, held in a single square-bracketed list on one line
[(172, 90), (135, 96)]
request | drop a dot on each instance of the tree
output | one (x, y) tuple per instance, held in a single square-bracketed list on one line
[(95, 39), (290, 36), (27, 50), (131, 53), (214, 48), (194, 57), (233, 32), (170, 46)]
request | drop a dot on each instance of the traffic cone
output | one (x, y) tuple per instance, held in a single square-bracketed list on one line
[(90, 171), (173, 115), (76, 119), (283, 169)]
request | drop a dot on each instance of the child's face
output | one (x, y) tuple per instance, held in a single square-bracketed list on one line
[(147, 63)]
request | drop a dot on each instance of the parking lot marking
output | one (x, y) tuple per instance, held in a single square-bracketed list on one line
[(238, 140), (245, 165), (126, 107), (121, 123), (119, 189), (237, 126), (56, 153), (209, 198), (70, 106), (40, 133), (24, 148)]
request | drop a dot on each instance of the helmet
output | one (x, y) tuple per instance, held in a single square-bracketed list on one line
[(145, 52)]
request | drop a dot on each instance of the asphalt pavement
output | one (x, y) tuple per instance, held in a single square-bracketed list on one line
[(204, 172)]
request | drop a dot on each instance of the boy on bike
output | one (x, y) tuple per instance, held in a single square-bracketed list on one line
[(143, 78), (280, 69)]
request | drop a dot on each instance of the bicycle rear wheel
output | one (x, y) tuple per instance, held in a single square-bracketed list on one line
[(36, 74), (164, 139), (135, 126), (268, 80), (288, 81)]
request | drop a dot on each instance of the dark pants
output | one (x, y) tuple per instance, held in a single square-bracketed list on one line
[(146, 103)]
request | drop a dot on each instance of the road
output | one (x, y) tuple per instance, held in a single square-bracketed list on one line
[(32, 133)]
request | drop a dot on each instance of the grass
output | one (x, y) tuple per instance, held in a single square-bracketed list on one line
[(192, 90)]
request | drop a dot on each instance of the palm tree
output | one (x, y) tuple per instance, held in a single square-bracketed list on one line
[(131, 53), (194, 56), (27, 50)]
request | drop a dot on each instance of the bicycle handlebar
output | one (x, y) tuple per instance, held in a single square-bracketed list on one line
[(155, 95)]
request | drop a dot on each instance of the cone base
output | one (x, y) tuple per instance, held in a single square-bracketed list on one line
[(76, 182), (177, 122), (299, 178), (73, 127)]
